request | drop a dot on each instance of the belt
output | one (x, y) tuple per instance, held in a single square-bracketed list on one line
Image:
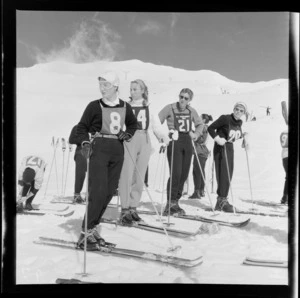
[(101, 135)]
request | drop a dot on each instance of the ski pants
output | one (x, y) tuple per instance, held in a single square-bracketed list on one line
[(26, 189), (199, 182), (131, 185), (285, 166), (183, 152), (105, 166), (80, 170), (221, 167)]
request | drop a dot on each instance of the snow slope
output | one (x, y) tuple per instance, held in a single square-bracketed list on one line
[(50, 101)]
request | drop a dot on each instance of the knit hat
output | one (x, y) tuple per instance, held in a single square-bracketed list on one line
[(241, 104), (28, 175), (110, 76)]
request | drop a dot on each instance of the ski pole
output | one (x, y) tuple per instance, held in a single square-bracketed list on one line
[(54, 151), (170, 186), (63, 144), (57, 142), (212, 176), (70, 150), (86, 212), (227, 166), (164, 174), (249, 176), (158, 162), (205, 184), (172, 248)]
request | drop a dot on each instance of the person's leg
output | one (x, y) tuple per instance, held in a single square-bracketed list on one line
[(202, 160), (176, 170), (284, 199), (139, 170), (127, 171), (80, 172)]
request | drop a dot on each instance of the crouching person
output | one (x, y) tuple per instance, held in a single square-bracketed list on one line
[(30, 179)]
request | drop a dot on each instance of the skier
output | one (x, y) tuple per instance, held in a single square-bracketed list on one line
[(203, 153), (104, 118), (268, 111), (80, 166), (30, 179), (138, 151), (225, 130), (179, 116)]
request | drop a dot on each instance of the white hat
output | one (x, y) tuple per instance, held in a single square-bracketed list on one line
[(241, 104), (110, 76)]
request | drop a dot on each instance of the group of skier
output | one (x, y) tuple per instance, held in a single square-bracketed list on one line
[(116, 158)]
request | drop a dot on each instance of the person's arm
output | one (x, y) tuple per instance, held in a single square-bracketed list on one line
[(216, 125), (158, 129), (73, 139), (84, 124), (164, 113), (130, 121), (199, 124)]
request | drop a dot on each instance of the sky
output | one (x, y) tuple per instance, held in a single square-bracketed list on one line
[(243, 46)]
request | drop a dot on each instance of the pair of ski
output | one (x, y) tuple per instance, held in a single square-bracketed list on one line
[(153, 228), (113, 249), (65, 212), (233, 222)]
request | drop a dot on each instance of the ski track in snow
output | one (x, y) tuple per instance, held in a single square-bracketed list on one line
[(61, 97)]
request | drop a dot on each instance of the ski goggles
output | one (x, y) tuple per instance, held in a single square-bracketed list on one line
[(105, 84)]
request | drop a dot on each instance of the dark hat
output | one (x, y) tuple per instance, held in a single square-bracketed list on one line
[(28, 175), (206, 118)]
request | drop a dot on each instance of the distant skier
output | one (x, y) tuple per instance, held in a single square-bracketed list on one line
[(225, 130), (203, 153), (80, 167), (179, 117), (268, 111), (104, 118), (30, 179), (137, 152)]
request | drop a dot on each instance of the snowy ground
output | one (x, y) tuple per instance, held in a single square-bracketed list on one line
[(50, 101)]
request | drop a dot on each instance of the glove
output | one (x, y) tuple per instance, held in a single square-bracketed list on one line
[(220, 141), (193, 136), (86, 150), (165, 140), (162, 148), (173, 134), (124, 136), (20, 182)]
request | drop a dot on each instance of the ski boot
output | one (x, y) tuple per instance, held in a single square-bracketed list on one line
[(135, 215), (28, 206), (195, 195), (126, 217), (202, 193), (223, 205), (20, 207), (78, 199), (97, 236), (174, 209), (91, 242)]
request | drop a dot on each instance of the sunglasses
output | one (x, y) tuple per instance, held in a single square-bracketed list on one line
[(239, 110), (184, 97)]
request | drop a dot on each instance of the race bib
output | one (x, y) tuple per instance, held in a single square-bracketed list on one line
[(284, 139), (142, 116), (113, 119)]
